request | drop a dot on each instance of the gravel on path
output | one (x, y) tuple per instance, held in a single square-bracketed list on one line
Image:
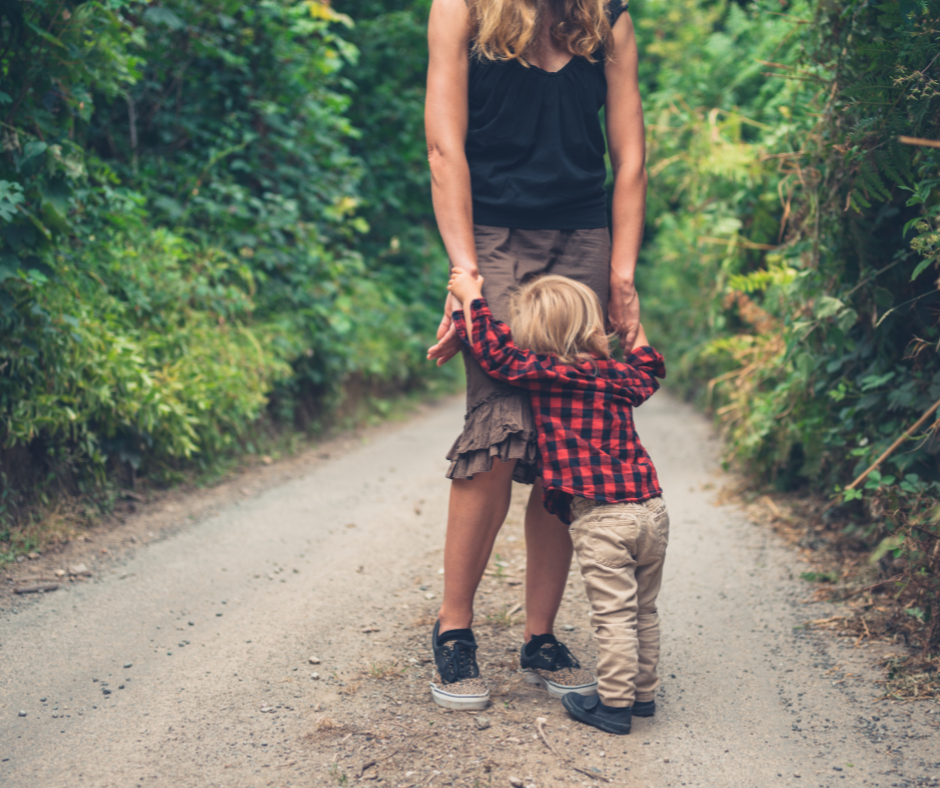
[(285, 641)]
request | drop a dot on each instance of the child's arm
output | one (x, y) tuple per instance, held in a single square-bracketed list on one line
[(491, 344), (641, 368), (466, 289)]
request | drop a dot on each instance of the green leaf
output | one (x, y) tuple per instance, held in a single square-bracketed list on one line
[(922, 266), (827, 306), (47, 37), (888, 543), (160, 15), (11, 195)]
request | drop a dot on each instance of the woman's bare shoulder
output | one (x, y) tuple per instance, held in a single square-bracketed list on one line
[(449, 22)]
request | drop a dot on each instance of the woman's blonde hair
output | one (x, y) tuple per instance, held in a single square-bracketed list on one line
[(556, 315), (506, 29)]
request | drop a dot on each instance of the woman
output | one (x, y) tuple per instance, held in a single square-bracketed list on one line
[(517, 166)]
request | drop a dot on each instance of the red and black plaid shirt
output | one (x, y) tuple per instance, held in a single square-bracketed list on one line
[(588, 444)]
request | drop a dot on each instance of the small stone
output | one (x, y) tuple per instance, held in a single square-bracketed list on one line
[(267, 460), (315, 676), (20, 559), (602, 754), (22, 713), (128, 665), (78, 569), (60, 573), (33, 556), (42, 700), (218, 615), (482, 723), (429, 595), (267, 709), (105, 692), (314, 660), (515, 782), (567, 627)]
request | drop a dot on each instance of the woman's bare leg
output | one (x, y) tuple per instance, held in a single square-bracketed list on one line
[(548, 559), (476, 512)]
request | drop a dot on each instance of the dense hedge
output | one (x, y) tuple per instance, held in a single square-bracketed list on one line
[(791, 260), (186, 194)]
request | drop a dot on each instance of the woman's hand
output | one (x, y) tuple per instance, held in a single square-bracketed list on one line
[(465, 286), (448, 343), (624, 312)]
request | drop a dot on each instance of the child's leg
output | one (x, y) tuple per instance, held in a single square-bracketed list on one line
[(649, 578), (605, 539)]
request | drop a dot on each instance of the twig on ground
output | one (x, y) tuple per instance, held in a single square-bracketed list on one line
[(514, 609), (412, 731), (540, 727), (875, 585), (771, 505), (37, 589), (591, 774), (829, 620), (366, 765)]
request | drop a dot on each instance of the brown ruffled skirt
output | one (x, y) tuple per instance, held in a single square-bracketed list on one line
[(499, 421)]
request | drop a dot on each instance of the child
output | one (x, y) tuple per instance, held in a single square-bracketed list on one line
[(596, 475)]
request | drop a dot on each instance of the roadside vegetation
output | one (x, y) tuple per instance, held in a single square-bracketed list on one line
[(791, 264), (216, 227)]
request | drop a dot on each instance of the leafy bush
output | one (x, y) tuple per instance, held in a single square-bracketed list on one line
[(793, 231), (185, 234)]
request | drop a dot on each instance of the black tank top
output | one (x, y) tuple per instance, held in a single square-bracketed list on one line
[(535, 145)]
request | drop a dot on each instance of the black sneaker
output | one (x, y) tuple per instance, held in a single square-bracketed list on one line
[(644, 708), (591, 710), (459, 684), (547, 662)]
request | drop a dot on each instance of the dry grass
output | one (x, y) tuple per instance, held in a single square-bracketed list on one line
[(381, 671), (912, 678)]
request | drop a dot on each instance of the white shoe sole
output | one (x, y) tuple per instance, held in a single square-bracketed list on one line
[(459, 702), (558, 690)]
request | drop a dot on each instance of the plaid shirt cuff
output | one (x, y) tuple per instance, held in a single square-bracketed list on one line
[(649, 359)]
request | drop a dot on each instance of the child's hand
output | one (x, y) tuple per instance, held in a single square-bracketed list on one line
[(464, 286), (641, 340)]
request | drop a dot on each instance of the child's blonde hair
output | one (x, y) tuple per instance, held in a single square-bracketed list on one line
[(556, 315)]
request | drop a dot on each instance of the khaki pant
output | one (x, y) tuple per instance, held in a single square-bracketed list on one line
[(621, 548)]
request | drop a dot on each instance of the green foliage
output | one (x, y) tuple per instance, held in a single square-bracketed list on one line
[(185, 239), (792, 230)]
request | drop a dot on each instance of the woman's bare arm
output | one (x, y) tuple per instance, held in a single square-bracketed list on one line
[(627, 144), (445, 123)]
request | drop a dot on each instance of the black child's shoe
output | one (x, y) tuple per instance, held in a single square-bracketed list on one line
[(459, 684), (591, 710), (547, 662), (644, 708)]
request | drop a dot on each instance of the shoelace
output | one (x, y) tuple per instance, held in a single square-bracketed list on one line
[(558, 656), (459, 663)]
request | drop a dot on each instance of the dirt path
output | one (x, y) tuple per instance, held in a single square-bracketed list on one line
[(187, 664)]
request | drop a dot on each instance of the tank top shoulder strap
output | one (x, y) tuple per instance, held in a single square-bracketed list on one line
[(615, 8)]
